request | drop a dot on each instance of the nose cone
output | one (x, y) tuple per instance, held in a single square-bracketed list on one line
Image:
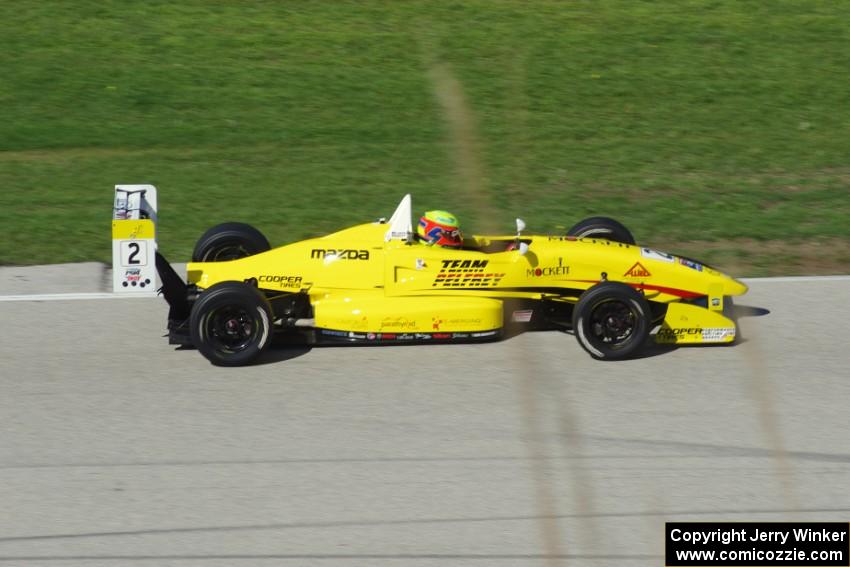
[(734, 287), (731, 286)]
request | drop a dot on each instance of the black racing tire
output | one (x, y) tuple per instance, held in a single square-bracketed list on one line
[(229, 241), (602, 227), (612, 321), (231, 324)]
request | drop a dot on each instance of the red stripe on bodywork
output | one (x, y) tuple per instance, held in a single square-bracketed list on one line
[(683, 293)]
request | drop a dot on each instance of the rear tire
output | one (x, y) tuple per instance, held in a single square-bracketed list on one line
[(602, 227), (229, 241), (611, 321), (231, 324)]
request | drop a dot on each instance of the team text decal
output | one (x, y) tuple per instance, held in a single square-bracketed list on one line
[(466, 273)]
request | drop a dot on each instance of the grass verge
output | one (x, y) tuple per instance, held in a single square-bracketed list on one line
[(715, 128)]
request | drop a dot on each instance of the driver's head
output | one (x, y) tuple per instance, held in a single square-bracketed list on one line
[(440, 228)]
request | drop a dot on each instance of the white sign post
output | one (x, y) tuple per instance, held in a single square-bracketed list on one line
[(134, 240)]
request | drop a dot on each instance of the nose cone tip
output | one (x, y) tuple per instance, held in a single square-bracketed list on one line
[(736, 287)]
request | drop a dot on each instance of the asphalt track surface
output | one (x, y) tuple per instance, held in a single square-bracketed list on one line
[(118, 449)]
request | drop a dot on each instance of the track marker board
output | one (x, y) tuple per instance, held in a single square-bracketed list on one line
[(134, 240)]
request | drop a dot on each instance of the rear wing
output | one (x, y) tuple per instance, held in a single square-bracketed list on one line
[(134, 240)]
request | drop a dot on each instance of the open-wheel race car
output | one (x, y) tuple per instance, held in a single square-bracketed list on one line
[(376, 283)]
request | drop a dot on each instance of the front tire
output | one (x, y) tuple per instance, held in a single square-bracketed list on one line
[(611, 321), (229, 241), (231, 324), (602, 227)]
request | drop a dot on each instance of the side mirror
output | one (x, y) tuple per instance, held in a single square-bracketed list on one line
[(522, 246)]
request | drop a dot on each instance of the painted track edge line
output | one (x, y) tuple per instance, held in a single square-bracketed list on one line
[(802, 279), (73, 296)]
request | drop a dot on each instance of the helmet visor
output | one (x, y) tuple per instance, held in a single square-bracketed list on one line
[(450, 237)]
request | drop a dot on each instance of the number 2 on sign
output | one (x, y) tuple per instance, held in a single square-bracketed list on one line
[(134, 253)]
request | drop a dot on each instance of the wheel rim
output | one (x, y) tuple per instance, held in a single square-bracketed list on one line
[(613, 322), (230, 329)]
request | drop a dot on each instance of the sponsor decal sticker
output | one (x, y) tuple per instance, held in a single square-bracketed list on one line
[(656, 255), (405, 337), (668, 333), (442, 335), (637, 271), (460, 335), (133, 278), (559, 270), (550, 271), (422, 336), (465, 321), (399, 323), (387, 336), (356, 336), (371, 336), (706, 335), (333, 333), (485, 334), (354, 323), (691, 264), (339, 254), (522, 316), (715, 335), (281, 280)]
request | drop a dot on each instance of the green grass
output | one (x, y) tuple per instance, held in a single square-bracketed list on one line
[(699, 124)]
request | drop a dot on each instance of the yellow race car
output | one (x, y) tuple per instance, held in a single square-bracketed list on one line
[(377, 283)]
